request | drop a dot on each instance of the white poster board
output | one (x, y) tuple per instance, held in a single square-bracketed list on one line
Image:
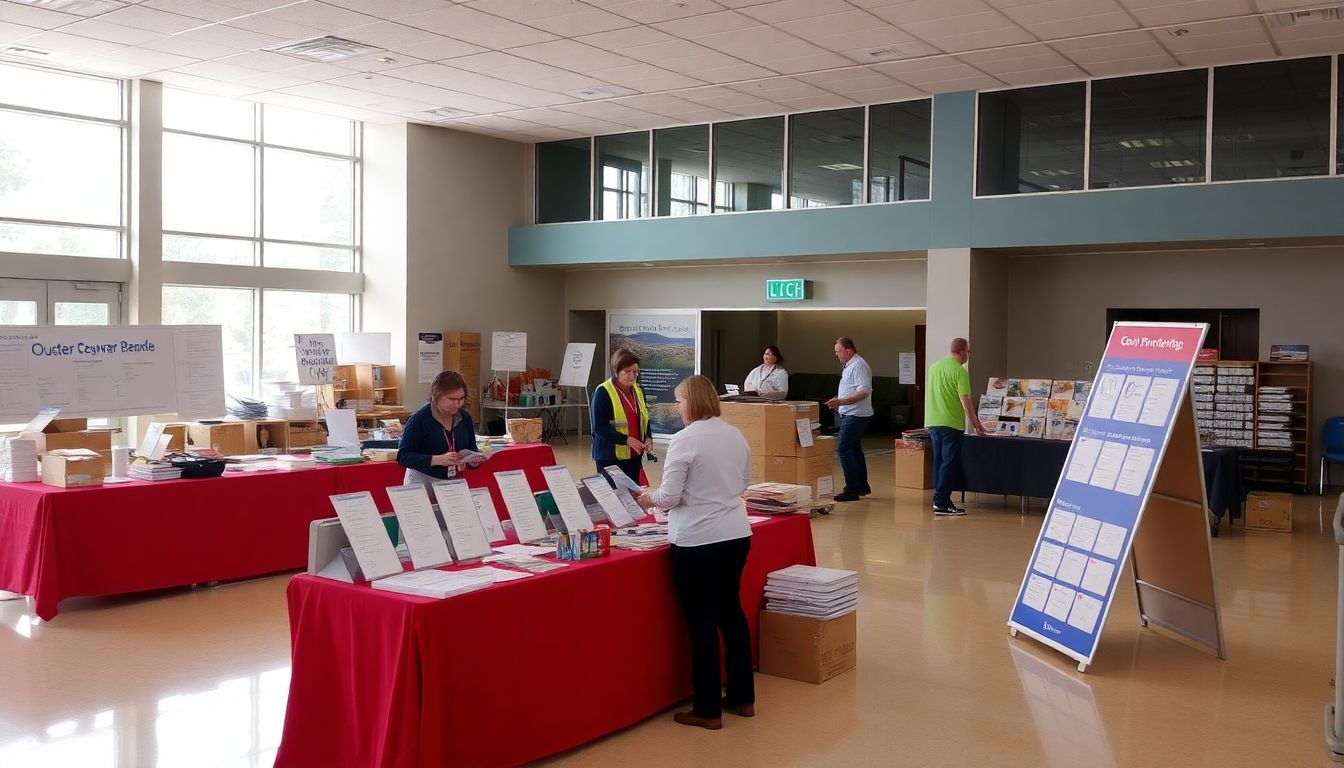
[(468, 538), (429, 352), (508, 351), (419, 526), (375, 348), (109, 371), (368, 537), (315, 355), (906, 367), (567, 498), (342, 427), (578, 364)]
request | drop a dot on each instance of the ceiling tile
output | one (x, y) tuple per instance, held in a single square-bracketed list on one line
[(1156, 13), (439, 48), (139, 17), (680, 56), (1122, 45), (254, 6), (762, 44), (562, 17), (605, 110), (1016, 59), (217, 70), (11, 32), (1310, 47), (473, 26), (194, 48), (965, 33), (367, 81), (444, 97), (1115, 67), (855, 78), (838, 31), (270, 81), (776, 87), (223, 34), (31, 16), (113, 33), (203, 84), (1081, 26), (322, 16), (812, 63), (507, 66), (707, 24), (109, 67), (1332, 30), (388, 9), (71, 45), (154, 59), (916, 11), (275, 27), (631, 37), (1060, 74), (310, 71), (571, 55), (650, 11), (265, 61), (733, 73), (813, 103), (793, 10), (646, 77), (378, 62), (199, 9), (1229, 33), (1042, 11), (1214, 56), (389, 34)]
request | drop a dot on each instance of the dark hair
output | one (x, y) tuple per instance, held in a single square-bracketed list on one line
[(847, 343), (779, 356), (448, 382), (702, 399), (960, 345), (622, 359)]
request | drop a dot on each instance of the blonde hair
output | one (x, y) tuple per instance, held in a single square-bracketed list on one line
[(702, 399)]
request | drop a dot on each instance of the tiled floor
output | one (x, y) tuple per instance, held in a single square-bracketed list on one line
[(199, 678)]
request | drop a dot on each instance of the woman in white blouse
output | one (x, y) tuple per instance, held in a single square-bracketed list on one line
[(707, 469), (769, 379)]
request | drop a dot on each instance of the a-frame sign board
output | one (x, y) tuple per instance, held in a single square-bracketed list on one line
[(1133, 486)]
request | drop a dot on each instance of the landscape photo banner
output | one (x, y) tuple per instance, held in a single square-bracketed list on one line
[(667, 344)]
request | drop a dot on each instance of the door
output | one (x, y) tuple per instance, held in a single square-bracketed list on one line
[(917, 397), (23, 302), (59, 302)]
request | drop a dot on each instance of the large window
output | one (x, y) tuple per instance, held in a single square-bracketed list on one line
[(899, 150), (1149, 130), (1272, 119), (62, 139), (564, 181), (285, 313), (682, 167), (827, 158), (749, 157), (623, 176), (233, 309), (251, 184), (1031, 140)]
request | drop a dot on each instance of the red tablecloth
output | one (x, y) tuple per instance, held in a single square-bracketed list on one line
[(86, 542), (501, 676)]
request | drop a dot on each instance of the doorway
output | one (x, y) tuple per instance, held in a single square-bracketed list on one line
[(59, 302)]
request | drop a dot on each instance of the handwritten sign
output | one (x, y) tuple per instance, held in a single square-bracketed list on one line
[(315, 354)]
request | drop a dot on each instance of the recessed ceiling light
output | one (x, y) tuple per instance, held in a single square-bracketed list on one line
[(28, 52), (892, 52), (842, 167), (1312, 16), (1178, 32), (1256, 243), (327, 48), (599, 92), (444, 113), (385, 59)]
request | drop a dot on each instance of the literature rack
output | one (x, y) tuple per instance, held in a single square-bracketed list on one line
[(1224, 393), (1284, 413)]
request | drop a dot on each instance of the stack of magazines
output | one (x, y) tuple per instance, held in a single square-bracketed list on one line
[(778, 499), (436, 584), (154, 470), (641, 537), (812, 592)]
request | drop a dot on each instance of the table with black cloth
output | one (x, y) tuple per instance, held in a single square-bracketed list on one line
[(57, 543), (500, 676), (1030, 467)]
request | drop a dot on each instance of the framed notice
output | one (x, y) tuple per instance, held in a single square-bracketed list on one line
[(508, 351)]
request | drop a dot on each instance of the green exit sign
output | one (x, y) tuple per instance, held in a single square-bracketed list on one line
[(790, 289)]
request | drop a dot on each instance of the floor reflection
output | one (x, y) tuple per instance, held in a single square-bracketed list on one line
[(1064, 711)]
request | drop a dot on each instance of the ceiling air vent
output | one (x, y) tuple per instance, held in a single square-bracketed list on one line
[(327, 48), (444, 113), (1312, 16), (25, 52)]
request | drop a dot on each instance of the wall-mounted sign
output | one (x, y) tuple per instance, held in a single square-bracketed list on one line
[(788, 289)]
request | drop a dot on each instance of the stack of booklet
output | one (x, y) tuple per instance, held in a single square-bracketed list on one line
[(641, 537), (526, 563), (19, 462), (812, 592), (292, 404), (154, 470), (437, 584), (295, 461), (778, 499)]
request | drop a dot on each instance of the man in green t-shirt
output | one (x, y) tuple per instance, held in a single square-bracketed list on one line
[(947, 405)]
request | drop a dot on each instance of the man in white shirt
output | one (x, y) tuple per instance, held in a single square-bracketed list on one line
[(854, 404)]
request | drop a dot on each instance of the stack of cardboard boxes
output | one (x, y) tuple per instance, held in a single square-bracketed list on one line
[(777, 453), (462, 353)]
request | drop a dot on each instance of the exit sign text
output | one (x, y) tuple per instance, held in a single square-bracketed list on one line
[(790, 289)]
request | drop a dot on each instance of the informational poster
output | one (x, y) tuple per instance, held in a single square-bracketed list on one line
[(508, 351), (906, 367), (429, 352), (578, 364), (374, 347), (109, 371), (315, 355), (667, 343), (1108, 477)]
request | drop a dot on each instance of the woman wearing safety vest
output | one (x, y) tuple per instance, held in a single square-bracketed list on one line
[(621, 419)]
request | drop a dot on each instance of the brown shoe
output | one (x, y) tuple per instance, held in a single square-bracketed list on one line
[(690, 718), (745, 710)]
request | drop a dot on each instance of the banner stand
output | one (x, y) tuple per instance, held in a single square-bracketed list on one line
[(1132, 488)]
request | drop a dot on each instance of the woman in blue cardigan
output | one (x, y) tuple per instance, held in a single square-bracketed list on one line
[(436, 437), (620, 418)]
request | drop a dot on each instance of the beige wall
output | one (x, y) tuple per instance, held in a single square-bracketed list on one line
[(463, 193), (807, 339), (836, 284), (1059, 303), (384, 300)]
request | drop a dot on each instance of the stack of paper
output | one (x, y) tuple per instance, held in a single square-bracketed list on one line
[(295, 461), (19, 462), (812, 592), (526, 563), (436, 584), (524, 550), (154, 470), (641, 538), (245, 408), (292, 405), (778, 499), (338, 456)]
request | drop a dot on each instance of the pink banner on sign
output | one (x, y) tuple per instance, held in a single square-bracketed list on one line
[(1143, 342)]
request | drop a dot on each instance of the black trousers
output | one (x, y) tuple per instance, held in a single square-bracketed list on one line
[(708, 580)]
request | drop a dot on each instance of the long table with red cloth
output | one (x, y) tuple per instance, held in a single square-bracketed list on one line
[(500, 676), (132, 537)]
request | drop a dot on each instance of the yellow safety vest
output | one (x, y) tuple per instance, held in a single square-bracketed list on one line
[(621, 422)]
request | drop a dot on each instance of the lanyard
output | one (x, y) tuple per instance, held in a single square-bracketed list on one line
[(627, 402), (767, 376), (448, 436)]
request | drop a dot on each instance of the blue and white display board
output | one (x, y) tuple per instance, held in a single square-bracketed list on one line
[(1119, 454)]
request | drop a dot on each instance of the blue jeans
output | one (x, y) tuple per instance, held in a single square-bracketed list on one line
[(946, 444), (849, 450)]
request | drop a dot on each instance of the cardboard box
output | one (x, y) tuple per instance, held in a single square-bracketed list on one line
[(73, 468), (821, 446), (66, 425), (816, 472), (770, 428), (462, 353), (178, 436), (1269, 511), (305, 434), (93, 440), (807, 649), (228, 438), (275, 435), (914, 465)]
